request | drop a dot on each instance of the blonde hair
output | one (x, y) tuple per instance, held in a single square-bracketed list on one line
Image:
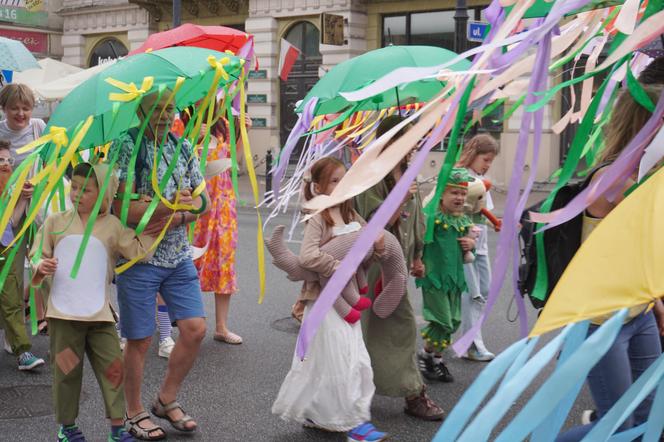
[(627, 119), (321, 172), (16, 93), (480, 144)]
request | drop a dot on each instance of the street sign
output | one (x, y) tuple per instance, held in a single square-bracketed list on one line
[(477, 31), (332, 29)]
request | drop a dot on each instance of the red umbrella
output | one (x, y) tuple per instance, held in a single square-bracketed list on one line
[(219, 38)]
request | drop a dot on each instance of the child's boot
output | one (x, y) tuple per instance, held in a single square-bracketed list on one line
[(119, 434)]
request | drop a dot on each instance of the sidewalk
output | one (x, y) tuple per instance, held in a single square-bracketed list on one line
[(499, 195)]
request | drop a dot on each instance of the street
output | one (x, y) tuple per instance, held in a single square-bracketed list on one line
[(231, 388)]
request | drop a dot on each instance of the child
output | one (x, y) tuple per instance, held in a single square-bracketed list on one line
[(80, 315), (444, 280), (477, 156), (333, 387), (11, 295)]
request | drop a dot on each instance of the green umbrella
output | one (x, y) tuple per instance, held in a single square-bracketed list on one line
[(363, 70), (112, 116)]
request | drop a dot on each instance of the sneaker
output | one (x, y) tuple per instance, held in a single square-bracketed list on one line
[(442, 372), (8, 348), (425, 363), (365, 432), (588, 417), (166, 347), (123, 343), (422, 407), (122, 436), (70, 433), (479, 355), (27, 361)]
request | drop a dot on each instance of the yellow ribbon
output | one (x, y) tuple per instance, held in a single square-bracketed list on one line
[(254, 188), (131, 91), (56, 134), (53, 180)]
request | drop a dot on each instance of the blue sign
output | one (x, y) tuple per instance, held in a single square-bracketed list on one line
[(477, 31)]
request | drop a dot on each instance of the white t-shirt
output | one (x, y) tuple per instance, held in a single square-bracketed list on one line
[(20, 138)]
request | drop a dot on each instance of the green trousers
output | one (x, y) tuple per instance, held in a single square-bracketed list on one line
[(443, 312), (392, 346), (12, 312), (70, 341)]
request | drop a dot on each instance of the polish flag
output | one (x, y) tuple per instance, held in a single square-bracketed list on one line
[(287, 57)]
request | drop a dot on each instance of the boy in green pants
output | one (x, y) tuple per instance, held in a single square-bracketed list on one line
[(79, 311), (11, 293)]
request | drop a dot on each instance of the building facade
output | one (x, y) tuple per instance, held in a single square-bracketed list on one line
[(36, 24), (89, 28)]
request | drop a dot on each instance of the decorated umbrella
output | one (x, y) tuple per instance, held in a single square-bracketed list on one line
[(218, 38), (363, 70), (14, 56), (110, 95)]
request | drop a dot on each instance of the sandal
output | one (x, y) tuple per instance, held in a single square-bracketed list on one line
[(228, 338), (161, 410), (141, 433)]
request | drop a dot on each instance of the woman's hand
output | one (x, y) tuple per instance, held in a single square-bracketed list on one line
[(467, 244), (659, 315)]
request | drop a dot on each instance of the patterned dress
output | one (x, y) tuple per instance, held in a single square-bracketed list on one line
[(218, 229)]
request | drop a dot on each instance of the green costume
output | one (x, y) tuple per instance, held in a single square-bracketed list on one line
[(444, 280), (12, 314), (392, 341)]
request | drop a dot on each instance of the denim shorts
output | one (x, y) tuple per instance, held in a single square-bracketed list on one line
[(137, 296)]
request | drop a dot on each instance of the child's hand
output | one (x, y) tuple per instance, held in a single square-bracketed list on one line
[(379, 244), (467, 244), (412, 190), (26, 192), (417, 269), (48, 266)]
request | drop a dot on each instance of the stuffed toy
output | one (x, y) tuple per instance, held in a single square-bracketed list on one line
[(350, 302)]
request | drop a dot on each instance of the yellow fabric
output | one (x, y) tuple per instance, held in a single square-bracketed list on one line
[(618, 266)]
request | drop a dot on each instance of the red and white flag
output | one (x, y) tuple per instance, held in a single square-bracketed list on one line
[(287, 57)]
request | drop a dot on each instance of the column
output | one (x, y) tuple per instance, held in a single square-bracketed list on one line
[(73, 46), (355, 33), (265, 133)]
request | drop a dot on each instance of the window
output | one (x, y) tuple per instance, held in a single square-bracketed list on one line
[(434, 28)]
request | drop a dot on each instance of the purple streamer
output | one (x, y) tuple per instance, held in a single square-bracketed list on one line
[(514, 205), (549, 23), (368, 235), (302, 125), (617, 172)]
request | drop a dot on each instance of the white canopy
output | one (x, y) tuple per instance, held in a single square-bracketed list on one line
[(50, 70), (61, 86)]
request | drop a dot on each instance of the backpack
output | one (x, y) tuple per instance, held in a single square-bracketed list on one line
[(560, 242)]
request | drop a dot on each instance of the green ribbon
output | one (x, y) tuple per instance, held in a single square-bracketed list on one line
[(233, 147), (638, 92), (450, 160)]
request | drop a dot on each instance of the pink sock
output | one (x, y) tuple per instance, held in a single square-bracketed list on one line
[(363, 303), (353, 316)]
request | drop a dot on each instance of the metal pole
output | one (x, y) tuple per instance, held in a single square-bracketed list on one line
[(268, 171), (460, 25), (177, 15)]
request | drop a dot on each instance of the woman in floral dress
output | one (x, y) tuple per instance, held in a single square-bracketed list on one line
[(218, 230)]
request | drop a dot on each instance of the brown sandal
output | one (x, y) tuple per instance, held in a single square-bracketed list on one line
[(161, 410), (142, 433)]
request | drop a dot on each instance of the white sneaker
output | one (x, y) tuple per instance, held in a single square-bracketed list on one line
[(166, 347), (8, 348)]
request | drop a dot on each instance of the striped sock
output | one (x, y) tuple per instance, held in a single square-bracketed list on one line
[(164, 322)]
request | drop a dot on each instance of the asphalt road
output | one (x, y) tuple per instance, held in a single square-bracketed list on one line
[(231, 388)]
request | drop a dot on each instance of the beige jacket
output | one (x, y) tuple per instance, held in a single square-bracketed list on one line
[(86, 298), (316, 234)]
